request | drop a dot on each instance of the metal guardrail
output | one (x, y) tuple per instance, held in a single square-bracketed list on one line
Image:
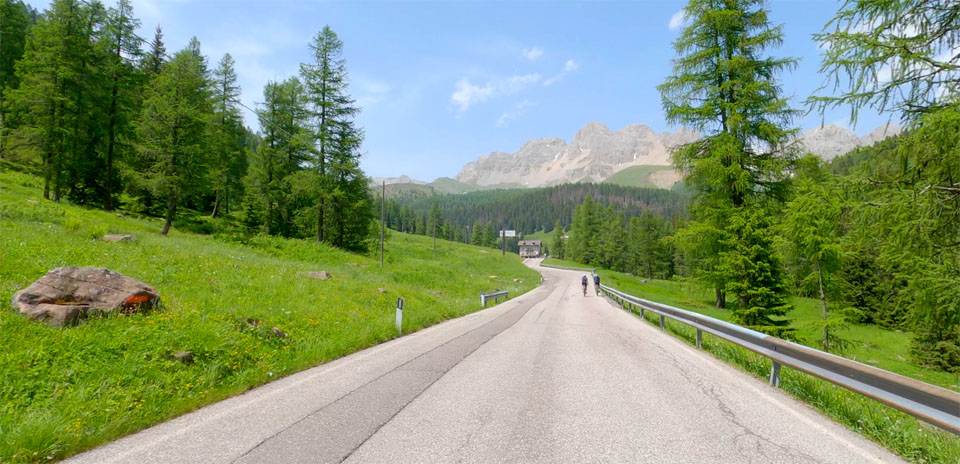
[(570, 268), (495, 295), (930, 403)]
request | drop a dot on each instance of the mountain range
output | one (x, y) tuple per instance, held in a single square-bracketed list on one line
[(635, 155)]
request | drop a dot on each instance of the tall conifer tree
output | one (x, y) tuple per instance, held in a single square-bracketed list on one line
[(723, 86)]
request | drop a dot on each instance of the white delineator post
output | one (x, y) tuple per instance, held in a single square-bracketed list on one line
[(399, 315)]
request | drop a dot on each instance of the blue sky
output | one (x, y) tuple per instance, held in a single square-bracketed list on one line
[(440, 83)]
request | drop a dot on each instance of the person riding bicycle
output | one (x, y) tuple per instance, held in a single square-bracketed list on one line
[(583, 281), (596, 283)]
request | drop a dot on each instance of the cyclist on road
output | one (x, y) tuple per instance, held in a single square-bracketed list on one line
[(583, 281), (596, 283)]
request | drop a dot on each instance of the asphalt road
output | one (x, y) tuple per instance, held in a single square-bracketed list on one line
[(551, 376)]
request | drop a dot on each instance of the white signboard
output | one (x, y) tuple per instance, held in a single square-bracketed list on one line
[(508, 233)]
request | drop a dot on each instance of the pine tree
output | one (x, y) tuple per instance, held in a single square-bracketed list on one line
[(49, 101), (123, 45), (14, 25), (722, 87), (173, 129), (282, 152), (153, 60), (811, 222), (557, 246), (228, 137), (325, 80)]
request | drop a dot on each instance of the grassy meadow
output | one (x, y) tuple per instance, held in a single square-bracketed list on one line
[(65, 390), (886, 349)]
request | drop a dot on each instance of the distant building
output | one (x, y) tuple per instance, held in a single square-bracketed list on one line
[(530, 248)]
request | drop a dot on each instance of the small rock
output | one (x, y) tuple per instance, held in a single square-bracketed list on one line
[(352, 264), (873, 361), (279, 333), (382, 290), (484, 251), (319, 275), (185, 357), (113, 238), (492, 276), (518, 280), (251, 322)]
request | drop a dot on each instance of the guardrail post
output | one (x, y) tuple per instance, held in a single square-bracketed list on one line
[(641, 312), (662, 323), (699, 338), (483, 300), (775, 374)]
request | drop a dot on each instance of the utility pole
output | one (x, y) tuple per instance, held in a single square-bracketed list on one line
[(434, 238), (383, 210), (503, 241)]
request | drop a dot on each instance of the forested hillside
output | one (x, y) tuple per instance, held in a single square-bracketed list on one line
[(524, 210), (112, 120)]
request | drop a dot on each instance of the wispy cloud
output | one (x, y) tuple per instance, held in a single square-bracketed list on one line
[(371, 91), (518, 110), (568, 67), (467, 94), (677, 20), (532, 53)]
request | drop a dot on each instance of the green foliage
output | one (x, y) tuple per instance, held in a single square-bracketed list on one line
[(15, 23), (336, 188), (173, 131), (67, 390), (558, 246), (890, 55), (811, 223), (531, 209), (723, 87)]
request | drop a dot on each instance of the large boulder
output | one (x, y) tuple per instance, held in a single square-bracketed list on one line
[(68, 294)]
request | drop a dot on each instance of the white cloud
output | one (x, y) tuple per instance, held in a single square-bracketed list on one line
[(568, 67), (467, 94), (677, 20), (532, 53), (518, 110)]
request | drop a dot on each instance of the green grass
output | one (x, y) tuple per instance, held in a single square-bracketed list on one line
[(898, 432), (636, 176), (66, 390)]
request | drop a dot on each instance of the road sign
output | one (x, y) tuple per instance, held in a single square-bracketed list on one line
[(508, 233)]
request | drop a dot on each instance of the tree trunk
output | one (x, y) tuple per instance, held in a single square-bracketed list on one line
[(171, 210), (721, 298), (823, 308), (216, 205)]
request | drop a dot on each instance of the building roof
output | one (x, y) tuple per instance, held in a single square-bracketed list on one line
[(529, 243)]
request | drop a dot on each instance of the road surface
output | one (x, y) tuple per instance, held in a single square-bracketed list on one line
[(550, 376)]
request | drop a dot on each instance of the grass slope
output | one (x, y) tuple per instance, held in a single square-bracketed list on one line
[(66, 390), (886, 349), (636, 176)]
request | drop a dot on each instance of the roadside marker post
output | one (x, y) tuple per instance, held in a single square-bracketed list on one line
[(399, 315)]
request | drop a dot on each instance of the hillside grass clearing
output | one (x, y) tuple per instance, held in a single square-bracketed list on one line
[(65, 390), (899, 432)]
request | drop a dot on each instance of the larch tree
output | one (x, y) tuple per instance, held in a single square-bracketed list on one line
[(812, 225), (903, 56), (325, 80), (14, 25), (123, 47), (725, 87), (228, 137), (173, 130)]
